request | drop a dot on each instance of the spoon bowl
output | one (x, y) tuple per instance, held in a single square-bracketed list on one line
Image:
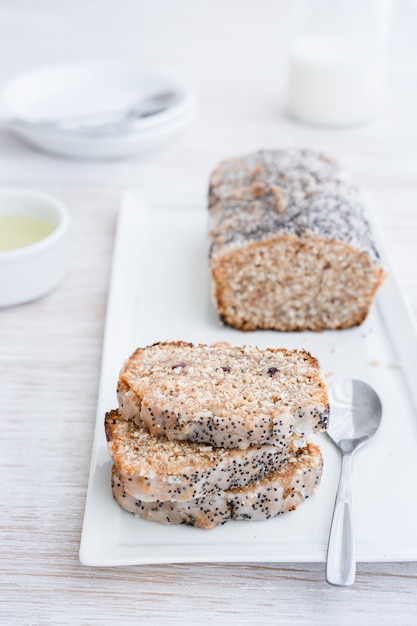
[(355, 416)]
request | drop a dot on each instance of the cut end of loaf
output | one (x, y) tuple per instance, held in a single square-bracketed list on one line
[(292, 283)]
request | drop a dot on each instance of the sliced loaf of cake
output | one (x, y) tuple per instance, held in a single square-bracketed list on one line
[(291, 248), (154, 468), (280, 491), (228, 397)]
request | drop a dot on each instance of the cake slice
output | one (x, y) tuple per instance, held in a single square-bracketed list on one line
[(291, 248), (280, 491), (228, 397), (154, 468)]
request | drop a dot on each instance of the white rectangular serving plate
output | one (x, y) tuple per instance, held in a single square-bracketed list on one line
[(160, 290)]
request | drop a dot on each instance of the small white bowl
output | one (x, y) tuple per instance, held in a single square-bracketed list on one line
[(62, 92), (31, 271)]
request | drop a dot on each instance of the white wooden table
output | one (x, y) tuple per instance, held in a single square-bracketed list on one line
[(233, 52)]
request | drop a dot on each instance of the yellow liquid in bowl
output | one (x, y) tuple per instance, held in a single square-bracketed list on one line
[(18, 231)]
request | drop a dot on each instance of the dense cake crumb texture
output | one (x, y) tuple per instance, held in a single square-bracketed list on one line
[(228, 397)]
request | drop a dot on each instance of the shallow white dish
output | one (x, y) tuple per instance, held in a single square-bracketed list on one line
[(32, 271), (167, 247), (62, 92)]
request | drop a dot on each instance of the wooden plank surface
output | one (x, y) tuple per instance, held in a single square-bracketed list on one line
[(234, 55)]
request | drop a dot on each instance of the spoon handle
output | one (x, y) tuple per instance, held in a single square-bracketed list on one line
[(341, 554)]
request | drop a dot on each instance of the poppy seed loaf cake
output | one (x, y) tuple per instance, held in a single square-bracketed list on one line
[(291, 248), (228, 397), (154, 468), (280, 491)]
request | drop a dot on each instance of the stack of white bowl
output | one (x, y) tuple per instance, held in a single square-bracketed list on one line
[(85, 110)]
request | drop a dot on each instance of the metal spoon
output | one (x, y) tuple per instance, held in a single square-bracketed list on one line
[(355, 416)]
